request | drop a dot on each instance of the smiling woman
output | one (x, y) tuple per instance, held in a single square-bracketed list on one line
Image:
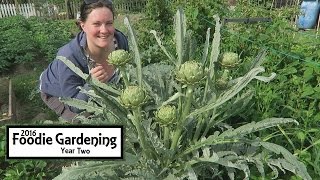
[(88, 51)]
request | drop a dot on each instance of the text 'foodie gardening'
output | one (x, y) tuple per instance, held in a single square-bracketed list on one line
[(68, 142)]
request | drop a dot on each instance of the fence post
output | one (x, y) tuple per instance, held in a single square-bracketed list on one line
[(67, 8), (16, 5)]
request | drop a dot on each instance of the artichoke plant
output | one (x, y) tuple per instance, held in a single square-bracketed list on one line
[(133, 97), (119, 57), (222, 82), (166, 115), (200, 145), (230, 59), (191, 72)]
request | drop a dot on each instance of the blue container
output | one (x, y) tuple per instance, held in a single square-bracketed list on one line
[(309, 13)]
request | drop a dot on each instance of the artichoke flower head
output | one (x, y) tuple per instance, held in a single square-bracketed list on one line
[(133, 97), (119, 57), (222, 82), (230, 59), (166, 114), (191, 72)]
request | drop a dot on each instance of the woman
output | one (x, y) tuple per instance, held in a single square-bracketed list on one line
[(88, 51)]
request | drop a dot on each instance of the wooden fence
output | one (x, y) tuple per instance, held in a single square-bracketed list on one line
[(67, 10), (26, 10), (270, 4)]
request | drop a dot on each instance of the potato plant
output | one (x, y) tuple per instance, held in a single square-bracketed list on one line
[(175, 115)]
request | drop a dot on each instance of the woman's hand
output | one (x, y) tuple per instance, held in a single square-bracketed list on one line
[(102, 72)]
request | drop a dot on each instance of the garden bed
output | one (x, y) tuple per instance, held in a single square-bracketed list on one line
[(7, 101)]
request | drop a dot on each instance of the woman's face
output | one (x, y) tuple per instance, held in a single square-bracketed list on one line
[(99, 28)]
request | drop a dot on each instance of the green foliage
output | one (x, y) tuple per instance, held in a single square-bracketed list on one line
[(24, 40), (200, 144), (158, 16), (16, 42), (200, 13), (294, 56), (49, 35)]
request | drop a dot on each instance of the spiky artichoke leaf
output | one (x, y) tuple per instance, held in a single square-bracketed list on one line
[(80, 104), (180, 33), (254, 127), (243, 82), (206, 48), (95, 168), (137, 58), (215, 50), (157, 80), (170, 56), (233, 135), (85, 76), (299, 168)]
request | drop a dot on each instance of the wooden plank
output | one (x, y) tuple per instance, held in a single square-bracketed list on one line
[(10, 113), (12, 10), (1, 11), (5, 10), (33, 12)]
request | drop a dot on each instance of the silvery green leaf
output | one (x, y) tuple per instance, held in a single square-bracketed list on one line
[(191, 174), (80, 104), (254, 127), (266, 79), (215, 50), (180, 32), (135, 46), (91, 167), (259, 59), (162, 47), (73, 67), (300, 168), (206, 48), (231, 172), (173, 98), (274, 170), (242, 83)]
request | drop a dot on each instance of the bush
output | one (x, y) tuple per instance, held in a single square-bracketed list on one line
[(16, 42), (24, 40), (50, 34)]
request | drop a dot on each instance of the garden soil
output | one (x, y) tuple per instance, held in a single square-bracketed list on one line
[(4, 96)]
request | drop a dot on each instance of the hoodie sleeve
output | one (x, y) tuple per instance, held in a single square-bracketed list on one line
[(69, 83), (122, 40)]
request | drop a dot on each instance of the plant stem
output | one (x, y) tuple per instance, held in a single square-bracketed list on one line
[(198, 129), (209, 125), (185, 112), (285, 135), (137, 123), (306, 149), (205, 91), (124, 75), (166, 136)]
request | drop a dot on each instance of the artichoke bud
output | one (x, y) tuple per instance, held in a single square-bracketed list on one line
[(230, 59), (222, 82), (191, 72), (166, 114), (119, 57), (133, 97)]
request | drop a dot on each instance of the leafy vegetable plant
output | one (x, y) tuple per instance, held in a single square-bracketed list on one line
[(174, 113)]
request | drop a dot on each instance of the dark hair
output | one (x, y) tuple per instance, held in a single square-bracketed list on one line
[(88, 5)]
